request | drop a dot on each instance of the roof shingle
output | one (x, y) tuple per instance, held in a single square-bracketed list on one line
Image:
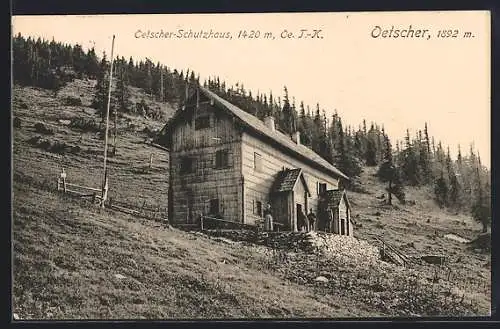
[(259, 126), (334, 197), (286, 180)]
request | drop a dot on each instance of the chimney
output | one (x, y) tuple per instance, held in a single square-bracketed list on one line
[(269, 122), (296, 137)]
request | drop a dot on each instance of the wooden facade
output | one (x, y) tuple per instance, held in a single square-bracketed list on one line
[(225, 162)]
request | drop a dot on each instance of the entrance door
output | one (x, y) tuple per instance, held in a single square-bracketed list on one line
[(190, 204), (300, 222)]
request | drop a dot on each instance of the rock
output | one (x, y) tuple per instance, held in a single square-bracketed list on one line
[(482, 242), (321, 279), (65, 122), (15, 316), (456, 238), (120, 276), (433, 259), (410, 245)]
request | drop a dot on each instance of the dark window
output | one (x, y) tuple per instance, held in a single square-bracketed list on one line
[(257, 162), (202, 122), (222, 159), (258, 208), (214, 207), (321, 188), (187, 165)]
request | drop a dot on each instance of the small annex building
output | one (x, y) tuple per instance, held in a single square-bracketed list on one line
[(335, 215)]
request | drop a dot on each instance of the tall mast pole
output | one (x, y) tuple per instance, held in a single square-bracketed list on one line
[(105, 178), (161, 84)]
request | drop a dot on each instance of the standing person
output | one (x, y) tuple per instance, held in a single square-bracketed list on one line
[(312, 220), (301, 221), (268, 218), (329, 226)]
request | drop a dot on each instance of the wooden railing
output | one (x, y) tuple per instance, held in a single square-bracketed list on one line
[(392, 253), (140, 210), (213, 222), (206, 222), (78, 190), (145, 211)]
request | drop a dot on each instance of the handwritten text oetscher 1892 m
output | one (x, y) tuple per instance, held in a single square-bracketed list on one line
[(412, 32)]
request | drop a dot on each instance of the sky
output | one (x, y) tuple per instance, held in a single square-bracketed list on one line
[(351, 65)]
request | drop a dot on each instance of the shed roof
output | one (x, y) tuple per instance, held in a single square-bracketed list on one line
[(335, 196), (286, 180)]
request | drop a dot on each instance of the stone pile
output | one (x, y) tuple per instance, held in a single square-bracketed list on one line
[(334, 245), (326, 244)]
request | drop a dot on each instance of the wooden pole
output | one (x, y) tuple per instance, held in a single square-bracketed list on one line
[(63, 178), (186, 96), (105, 179), (114, 133), (197, 98), (161, 84), (151, 161)]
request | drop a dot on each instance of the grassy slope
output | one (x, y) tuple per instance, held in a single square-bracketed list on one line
[(66, 254), (420, 230)]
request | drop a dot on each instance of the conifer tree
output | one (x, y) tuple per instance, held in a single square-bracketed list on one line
[(441, 191), (481, 207), (454, 186), (100, 99), (389, 173)]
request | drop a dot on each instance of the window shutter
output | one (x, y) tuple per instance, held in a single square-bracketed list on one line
[(230, 159)]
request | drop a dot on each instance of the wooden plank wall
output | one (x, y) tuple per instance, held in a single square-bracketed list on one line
[(258, 184), (281, 208), (206, 182)]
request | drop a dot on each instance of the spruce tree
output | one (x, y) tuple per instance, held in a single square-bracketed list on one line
[(388, 172), (441, 191), (481, 207), (101, 95)]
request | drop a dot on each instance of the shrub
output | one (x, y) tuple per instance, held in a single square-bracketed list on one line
[(56, 146), (17, 122), (23, 105), (73, 101), (150, 132), (42, 129), (88, 125)]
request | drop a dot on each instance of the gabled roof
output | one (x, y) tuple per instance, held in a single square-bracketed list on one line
[(287, 179), (260, 128), (335, 196)]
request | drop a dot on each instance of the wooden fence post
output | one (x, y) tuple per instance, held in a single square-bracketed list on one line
[(105, 192), (63, 178), (151, 161), (201, 222)]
